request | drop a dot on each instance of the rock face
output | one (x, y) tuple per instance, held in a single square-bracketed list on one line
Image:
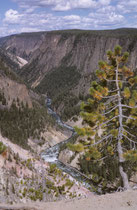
[(22, 45), (79, 49), (82, 49), (47, 52), (10, 85), (21, 110), (14, 91)]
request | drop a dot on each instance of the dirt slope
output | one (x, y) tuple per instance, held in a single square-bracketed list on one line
[(116, 201)]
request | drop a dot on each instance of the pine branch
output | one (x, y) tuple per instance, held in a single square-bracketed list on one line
[(115, 80), (111, 100), (112, 91), (108, 125), (102, 158), (103, 139), (109, 120), (107, 97), (131, 118), (129, 139), (128, 127), (131, 107), (110, 110), (129, 133)]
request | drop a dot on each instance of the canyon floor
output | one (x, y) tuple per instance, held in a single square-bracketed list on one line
[(117, 201)]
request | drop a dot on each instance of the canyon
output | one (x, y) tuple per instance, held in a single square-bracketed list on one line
[(71, 56), (60, 65)]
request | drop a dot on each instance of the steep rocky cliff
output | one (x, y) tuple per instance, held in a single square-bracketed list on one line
[(22, 116), (10, 84), (22, 45), (82, 49), (61, 63)]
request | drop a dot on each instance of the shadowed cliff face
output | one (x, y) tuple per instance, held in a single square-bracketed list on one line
[(82, 50), (48, 52)]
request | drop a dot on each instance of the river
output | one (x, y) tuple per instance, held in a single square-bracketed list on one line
[(51, 154)]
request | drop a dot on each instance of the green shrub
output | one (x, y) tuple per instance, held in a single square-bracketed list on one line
[(2, 147)]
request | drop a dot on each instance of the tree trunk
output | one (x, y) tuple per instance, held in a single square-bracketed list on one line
[(119, 146), (121, 170), (124, 178)]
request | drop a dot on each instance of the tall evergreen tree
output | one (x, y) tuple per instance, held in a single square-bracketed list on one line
[(110, 116)]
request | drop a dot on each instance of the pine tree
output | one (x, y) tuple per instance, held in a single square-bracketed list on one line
[(110, 117)]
